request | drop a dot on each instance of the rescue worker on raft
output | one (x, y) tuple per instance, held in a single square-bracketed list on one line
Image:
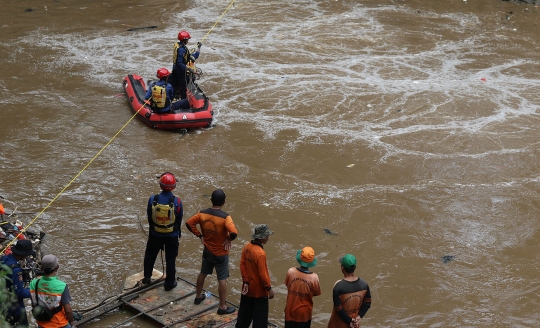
[(182, 60), (161, 94)]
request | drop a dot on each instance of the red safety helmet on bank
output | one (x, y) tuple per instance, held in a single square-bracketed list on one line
[(167, 181)]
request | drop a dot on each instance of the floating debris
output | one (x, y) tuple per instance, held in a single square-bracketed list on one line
[(350, 165), (328, 231), (142, 28), (447, 258)]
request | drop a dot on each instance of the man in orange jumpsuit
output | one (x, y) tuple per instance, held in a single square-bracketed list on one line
[(217, 232), (302, 284), (256, 287)]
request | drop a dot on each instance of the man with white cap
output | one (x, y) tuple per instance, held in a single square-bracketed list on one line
[(256, 287), (52, 293), (16, 314), (302, 285)]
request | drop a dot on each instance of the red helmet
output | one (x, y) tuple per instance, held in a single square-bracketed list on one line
[(167, 181), (183, 35), (162, 73)]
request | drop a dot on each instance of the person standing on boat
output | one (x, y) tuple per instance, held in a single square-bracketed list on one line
[(165, 214), (217, 233), (302, 285), (16, 314), (256, 287), (52, 293), (161, 94), (182, 58), (351, 296)]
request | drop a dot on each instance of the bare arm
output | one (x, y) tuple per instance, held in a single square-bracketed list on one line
[(69, 314)]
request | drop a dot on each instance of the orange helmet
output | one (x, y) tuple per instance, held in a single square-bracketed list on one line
[(162, 73), (183, 35), (167, 181)]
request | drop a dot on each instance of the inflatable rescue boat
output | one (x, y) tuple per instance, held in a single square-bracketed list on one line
[(199, 115)]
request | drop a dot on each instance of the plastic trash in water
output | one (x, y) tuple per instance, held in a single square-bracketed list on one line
[(208, 294)]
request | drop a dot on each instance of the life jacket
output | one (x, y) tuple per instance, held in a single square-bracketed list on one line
[(187, 54), (163, 217), (49, 295), (159, 96)]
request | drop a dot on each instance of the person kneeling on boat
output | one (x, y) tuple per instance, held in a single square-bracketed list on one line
[(161, 94)]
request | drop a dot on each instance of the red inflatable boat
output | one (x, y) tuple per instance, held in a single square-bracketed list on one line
[(200, 115)]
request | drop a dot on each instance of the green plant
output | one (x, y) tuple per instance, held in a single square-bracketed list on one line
[(6, 297)]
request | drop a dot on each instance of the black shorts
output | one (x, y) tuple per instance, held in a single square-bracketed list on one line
[(221, 263)]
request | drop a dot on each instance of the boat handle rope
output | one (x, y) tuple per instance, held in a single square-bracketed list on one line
[(100, 151)]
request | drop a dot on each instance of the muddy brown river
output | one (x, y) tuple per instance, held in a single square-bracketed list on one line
[(407, 128)]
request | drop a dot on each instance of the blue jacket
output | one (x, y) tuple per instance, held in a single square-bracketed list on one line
[(17, 278), (179, 65), (170, 93), (178, 213)]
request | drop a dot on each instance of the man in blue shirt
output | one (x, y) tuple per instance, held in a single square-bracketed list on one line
[(165, 214), (161, 94), (181, 58), (16, 313)]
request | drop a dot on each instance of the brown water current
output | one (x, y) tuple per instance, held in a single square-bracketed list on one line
[(410, 129)]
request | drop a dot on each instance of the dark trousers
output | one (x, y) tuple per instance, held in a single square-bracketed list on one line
[(16, 315), (252, 309), (180, 104), (179, 82), (153, 246), (294, 324)]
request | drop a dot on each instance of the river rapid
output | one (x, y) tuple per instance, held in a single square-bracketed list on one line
[(407, 128)]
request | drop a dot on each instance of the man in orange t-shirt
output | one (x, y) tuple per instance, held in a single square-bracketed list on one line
[(217, 232), (256, 287), (302, 284)]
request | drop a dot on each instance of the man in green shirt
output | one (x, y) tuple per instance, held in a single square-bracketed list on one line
[(52, 293)]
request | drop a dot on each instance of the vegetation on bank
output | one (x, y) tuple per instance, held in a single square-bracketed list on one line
[(7, 297)]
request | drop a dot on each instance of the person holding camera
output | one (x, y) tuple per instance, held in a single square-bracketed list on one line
[(50, 297)]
